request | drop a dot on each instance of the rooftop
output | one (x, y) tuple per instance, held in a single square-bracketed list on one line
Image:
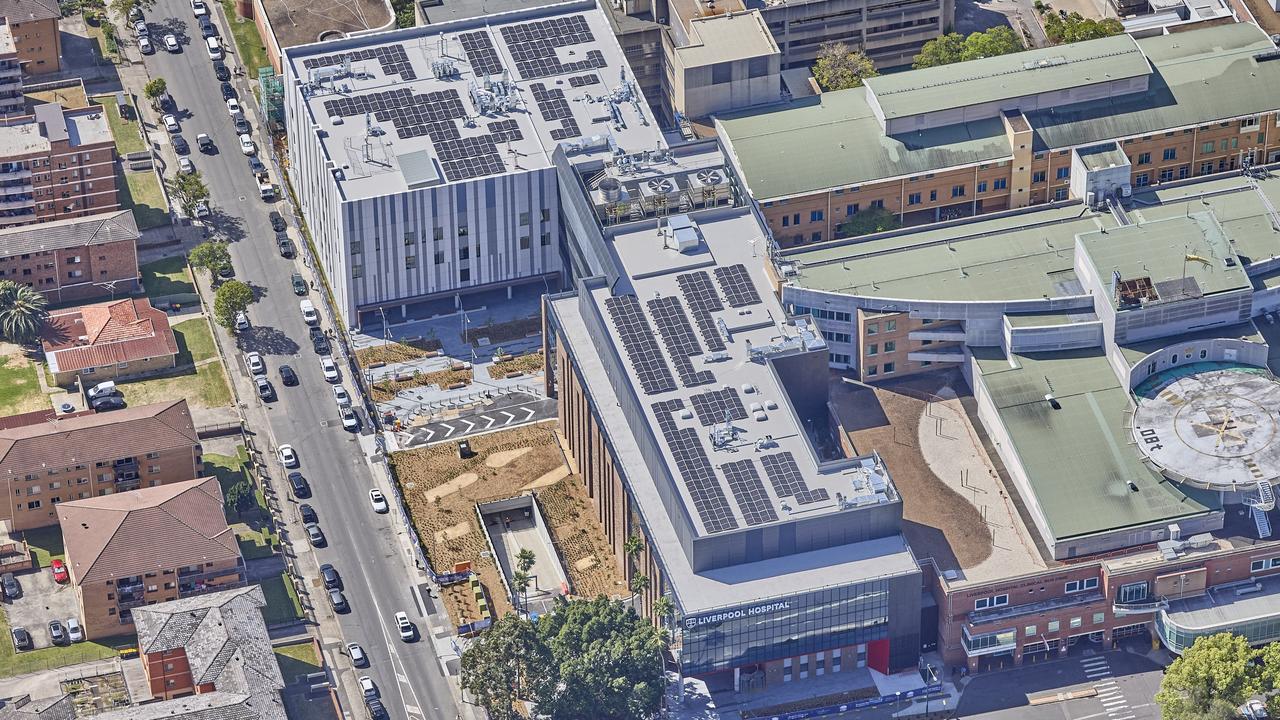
[(446, 103), (70, 233), (297, 23), (726, 38), (1041, 70), (20, 11), (107, 333), (1099, 157), (1198, 76), (148, 530), (1222, 607)]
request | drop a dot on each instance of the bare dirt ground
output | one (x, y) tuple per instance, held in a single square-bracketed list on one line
[(442, 491), (1269, 19)]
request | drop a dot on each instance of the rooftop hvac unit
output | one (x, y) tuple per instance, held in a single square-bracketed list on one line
[(706, 178), (658, 186)]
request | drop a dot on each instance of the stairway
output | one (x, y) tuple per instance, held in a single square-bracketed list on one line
[(1261, 520)]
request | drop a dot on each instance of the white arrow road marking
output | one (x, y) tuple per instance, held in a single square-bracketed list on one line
[(510, 417), (430, 434), (491, 420), (529, 416), (412, 709), (404, 679), (451, 429), (470, 425)]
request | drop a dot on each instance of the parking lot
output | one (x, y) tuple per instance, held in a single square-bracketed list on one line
[(42, 600)]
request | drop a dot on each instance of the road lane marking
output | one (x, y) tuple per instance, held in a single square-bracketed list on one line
[(451, 429), (1094, 661), (510, 417), (491, 420), (529, 416)]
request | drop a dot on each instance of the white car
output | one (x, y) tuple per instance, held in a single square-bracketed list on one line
[(288, 457), (75, 633), (407, 631), (358, 657), (199, 8), (330, 369), (367, 687), (171, 43), (379, 501), (171, 124), (341, 395), (185, 165), (140, 27), (202, 209), (350, 422), (233, 107), (145, 46), (214, 47), (257, 366), (246, 145), (242, 321)]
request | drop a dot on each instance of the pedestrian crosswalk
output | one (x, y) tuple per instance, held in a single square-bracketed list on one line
[(1114, 704)]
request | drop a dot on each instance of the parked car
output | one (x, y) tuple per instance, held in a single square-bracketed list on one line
[(242, 321), (241, 125), (204, 142), (341, 396), (228, 92), (367, 688), (135, 13), (140, 27), (12, 590), (21, 639), (221, 72), (214, 48), (185, 165), (246, 144), (330, 576), (308, 515), (379, 501), (277, 220), (308, 310), (255, 363), (301, 488), (288, 376), (288, 456), (233, 106), (357, 655), (336, 599), (285, 246), (102, 389), (319, 341), (171, 124), (59, 570), (257, 168), (199, 8), (265, 390), (202, 211), (180, 145), (227, 270), (57, 635), (145, 46), (299, 285), (106, 404), (1254, 710), (406, 629), (350, 421), (330, 369), (376, 709), (75, 633), (171, 43), (315, 535)]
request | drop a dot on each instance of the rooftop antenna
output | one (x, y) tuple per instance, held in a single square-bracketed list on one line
[(368, 133)]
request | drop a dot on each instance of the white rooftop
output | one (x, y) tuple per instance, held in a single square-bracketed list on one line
[(479, 97)]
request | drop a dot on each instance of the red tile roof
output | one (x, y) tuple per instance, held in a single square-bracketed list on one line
[(106, 334)]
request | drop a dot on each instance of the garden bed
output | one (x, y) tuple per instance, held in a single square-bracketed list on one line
[(385, 390)]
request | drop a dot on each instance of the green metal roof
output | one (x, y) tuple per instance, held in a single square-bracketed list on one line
[(1079, 459), (1019, 74)]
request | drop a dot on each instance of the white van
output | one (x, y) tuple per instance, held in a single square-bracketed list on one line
[(102, 389), (214, 46), (309, 314)]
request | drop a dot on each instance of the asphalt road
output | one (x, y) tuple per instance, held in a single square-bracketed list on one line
[(363, 546), (1125, 683)]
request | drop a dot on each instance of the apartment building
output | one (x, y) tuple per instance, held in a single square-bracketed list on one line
[(56, 163), (32, 29), (75, 259), (1011, 131), (46, 461), (141, 547)]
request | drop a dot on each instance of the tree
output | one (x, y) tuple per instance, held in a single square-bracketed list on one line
[(189, 190), (22, 312), (124, 7), (663, 609), (839, 68), (1215, 674), (953, 47), (240, 496), (499, 666), (231, 298), (525, 559), (633, 545), (211, 255), (1075, 27), (639, 583), (154, 90), (871, 220), (607, 663)]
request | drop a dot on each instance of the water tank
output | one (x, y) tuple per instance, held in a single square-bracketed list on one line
[(611, 189)]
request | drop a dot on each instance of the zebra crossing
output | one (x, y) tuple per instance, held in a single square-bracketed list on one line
[(1114, 704)]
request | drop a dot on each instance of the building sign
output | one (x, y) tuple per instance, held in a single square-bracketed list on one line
[(739, 613)]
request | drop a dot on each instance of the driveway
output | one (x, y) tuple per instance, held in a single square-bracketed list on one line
[(42, 600)]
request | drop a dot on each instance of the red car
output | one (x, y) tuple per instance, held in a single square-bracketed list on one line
[(59, 571)]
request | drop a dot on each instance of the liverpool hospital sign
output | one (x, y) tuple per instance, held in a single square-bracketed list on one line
[(736, 614)]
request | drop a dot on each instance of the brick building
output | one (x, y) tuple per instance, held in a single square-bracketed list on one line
[(74, 259), (108, 341), (1012, 131), (47, 461), (56, 163), (33, 27), (147, 546)]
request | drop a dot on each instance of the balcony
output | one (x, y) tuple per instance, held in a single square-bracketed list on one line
[(953, 354), (16, 202), (202, 574), (188, 589), (978, 617), (15, 172), (1004, 641), (1142, 607), (946, 333)]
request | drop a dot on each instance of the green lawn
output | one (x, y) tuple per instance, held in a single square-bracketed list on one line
[(19, 386), (167, 277), (282, 600), (141, 193), (255, 542), (46, 543), (125, 130), (20, 663), (297, 659), (204, 387), (195, 341), (248, 43)]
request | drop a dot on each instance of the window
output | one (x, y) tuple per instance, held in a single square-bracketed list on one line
[(1166, 174), (873, 328), (1183, 171), (545, 240), (982, 186), (439, 257), (878, 204), (357, 271), (410, 262), (438, 235), (462, 231), (1099, 618), (1267, 564), (888, 368), (544, 215), (836, 336), (872, 349), (1207, 147), (1060, 194), (524, 218), (815, 216), (1171, 153), (913, 199), (464, 275), (1078, 585), (850, 210), (1064, 173), (1029, 631), (933, 195), (890, 346), (835, 660), (957, 191), (991, 602), (464, 252), (872, 370), (33, 505), (1144, 158), (1132, 592), (838, 358), (816, 237), (721, 72), (786, 221), (357, 247), (1076, 622), (410, 237), (999, 184), (1206, 168), (890, 325), (1249, 123), (524, 242), (795, 219), (1038, 176)]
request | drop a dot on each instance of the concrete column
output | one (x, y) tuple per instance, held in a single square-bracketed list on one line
[(404, 311), (737, 679), (509, 289)]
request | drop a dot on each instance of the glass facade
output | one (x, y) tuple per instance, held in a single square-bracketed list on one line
[(785, 627), (1257, 631)]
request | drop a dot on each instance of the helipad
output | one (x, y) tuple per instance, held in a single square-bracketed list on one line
[(1215, 429)]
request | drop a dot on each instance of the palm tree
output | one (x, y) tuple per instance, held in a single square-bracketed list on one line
[(639, 583), (662, 610), (525, 559), (22, 311)]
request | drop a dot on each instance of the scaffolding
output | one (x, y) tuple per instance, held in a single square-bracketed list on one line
[(271, 98)]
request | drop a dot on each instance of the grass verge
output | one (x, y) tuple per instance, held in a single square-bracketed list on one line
[(282, 600), (21, 663), (19, 386), (141, 193), (297, 659), (253, 54), (167, 277), (205, 386), (195, 341), (46, 544)]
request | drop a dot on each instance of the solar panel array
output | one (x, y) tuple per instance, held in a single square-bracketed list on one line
[(533, 46), (584, 80), (682, 343), (637, 338), (481, 53), (748, 490), (391, 58), (695, 469), (505, 131), (736, 285), (714, 406), (787, 481), (552, 106), (700, 295)]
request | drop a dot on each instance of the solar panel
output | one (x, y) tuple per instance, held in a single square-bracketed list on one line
[(747, 489), (695, 469), (533, 46), (736, 285), (584, 80), (391, 58), (553, 106), (505, 131), (677, 335), (637, 338), (481, 53), (715, 406), (700, 295), (787, 481)]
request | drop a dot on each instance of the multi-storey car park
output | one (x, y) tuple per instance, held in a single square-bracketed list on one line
[(1012, 131), (1119, 365), (694, 407), (422, 158)]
